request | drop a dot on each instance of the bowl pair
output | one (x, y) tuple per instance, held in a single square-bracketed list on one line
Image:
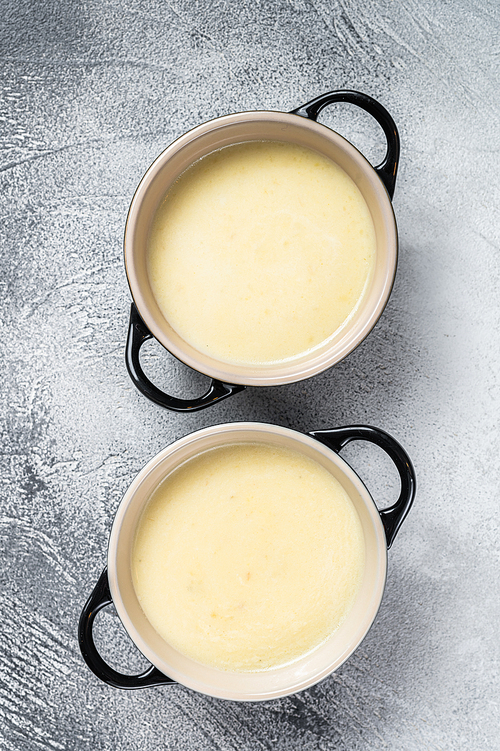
[(115, 585)]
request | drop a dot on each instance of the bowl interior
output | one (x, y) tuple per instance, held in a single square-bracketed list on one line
[(232, 685), (252, 126)]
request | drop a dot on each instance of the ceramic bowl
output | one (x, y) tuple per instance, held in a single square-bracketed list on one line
[(167, 664), (298, 127)]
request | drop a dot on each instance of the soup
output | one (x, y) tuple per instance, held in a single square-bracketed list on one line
[(247, 557), (261, 252)]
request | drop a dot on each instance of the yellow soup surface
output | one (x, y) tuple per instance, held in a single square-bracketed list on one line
[(261, 252), (247, 557)]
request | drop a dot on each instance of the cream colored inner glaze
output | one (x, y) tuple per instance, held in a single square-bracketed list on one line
[(247, 557), (261, 252)]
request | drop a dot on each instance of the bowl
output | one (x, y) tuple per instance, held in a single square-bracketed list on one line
[(168, 665), (298, 127)]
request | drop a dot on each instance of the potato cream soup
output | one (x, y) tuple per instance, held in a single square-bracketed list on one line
[(247, 557), (261, 252)]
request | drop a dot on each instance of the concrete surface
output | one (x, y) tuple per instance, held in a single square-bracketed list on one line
[(91, 92)]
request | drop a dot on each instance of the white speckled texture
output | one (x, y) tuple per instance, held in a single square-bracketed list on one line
[(90, 93)]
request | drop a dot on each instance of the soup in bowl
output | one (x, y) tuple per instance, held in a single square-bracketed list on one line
[(247, 561), (260, 249), (261, 252)]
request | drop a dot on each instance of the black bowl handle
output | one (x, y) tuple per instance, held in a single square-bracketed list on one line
[(138, 333), (100, 597), (391, 517), (388, 168)]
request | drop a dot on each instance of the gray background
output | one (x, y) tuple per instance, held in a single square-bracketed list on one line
[(91, 92)]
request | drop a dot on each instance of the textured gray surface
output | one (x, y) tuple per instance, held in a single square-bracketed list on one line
[(90, 94)]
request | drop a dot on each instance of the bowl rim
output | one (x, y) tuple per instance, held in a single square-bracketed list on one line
[(310, 363), (264, 688)]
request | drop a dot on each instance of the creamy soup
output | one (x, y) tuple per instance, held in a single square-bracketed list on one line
[(247, 557), (261, 252)]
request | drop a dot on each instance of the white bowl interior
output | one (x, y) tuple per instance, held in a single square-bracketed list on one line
[(238, 128), (232, 685)]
